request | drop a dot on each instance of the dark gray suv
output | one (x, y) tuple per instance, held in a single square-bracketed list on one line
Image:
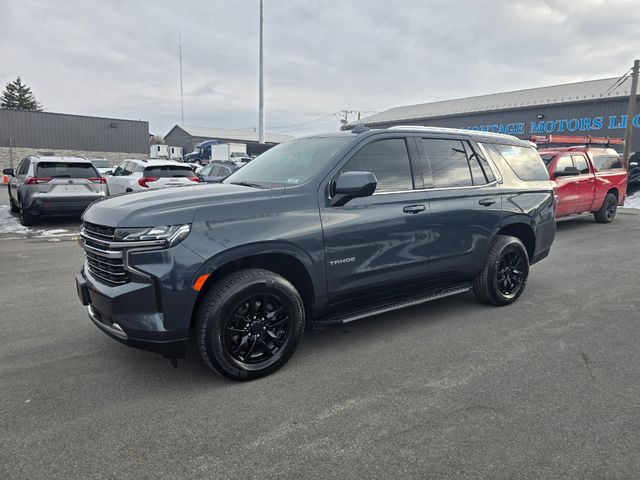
[(320, 230)]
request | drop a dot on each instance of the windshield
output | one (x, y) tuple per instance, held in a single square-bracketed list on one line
[(101, 163), (290, 163)]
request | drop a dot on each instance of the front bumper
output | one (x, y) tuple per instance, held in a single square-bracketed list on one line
[(153, 310)]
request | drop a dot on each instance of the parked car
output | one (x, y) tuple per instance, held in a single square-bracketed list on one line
[(320, 230), (589, 179), (135, 175), (217, 171), (102, 165), (53, 186)]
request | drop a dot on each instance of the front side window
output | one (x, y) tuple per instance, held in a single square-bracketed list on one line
[(388, 160), (563, 163), (23, 167), (581, 163), (449, 163), (524, 161)]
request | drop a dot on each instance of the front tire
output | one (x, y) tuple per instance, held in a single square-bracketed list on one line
[(504, 274), (249, 324), (608, 210), (12, 204)]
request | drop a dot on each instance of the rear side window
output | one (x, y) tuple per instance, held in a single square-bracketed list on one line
[(606, 162), (449, 163), (524, 161), (388, 160), (163, 171), (66, 170)]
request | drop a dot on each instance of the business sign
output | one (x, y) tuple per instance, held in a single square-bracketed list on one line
[(583, 124)]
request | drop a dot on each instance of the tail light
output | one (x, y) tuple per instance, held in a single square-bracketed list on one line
[(97, 180), (144, 180), (36, 180), (194, 179)]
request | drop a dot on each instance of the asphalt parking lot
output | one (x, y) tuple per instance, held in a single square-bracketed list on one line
[(546, 388)]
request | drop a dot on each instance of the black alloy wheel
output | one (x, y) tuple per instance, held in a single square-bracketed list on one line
[(256, 329), (510, 272)]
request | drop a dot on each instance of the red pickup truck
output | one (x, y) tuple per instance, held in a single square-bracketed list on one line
[(589, 179)]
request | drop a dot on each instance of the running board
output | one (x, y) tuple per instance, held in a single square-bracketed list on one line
[(408, 302)]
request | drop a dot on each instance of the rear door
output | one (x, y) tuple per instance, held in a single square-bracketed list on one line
[(568, 189), (465, 206), (374, 244), (586, 183)]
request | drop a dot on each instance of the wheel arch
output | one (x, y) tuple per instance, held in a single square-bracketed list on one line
[(522, 231), (284, 259)]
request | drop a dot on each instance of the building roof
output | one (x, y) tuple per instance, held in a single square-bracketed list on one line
[(530, 97), (237, 135)]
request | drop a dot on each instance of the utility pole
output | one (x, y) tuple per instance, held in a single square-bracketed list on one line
[(346, 113), (261, 80), (631, 112), (181, 91)]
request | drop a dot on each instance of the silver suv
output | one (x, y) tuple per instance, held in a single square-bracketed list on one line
[(53, 186)]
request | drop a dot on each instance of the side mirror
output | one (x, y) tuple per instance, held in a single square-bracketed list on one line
[(353, 185), (8, 171), (567, 172)]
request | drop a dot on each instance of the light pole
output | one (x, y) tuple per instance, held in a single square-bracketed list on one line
[(261, 80)]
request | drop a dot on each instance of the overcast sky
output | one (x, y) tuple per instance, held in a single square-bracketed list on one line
[(120, 58)]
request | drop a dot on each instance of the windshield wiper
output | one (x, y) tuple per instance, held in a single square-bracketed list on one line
[(249, 184)]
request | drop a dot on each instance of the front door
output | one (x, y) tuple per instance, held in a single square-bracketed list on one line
[(374, 244), (568, 189)]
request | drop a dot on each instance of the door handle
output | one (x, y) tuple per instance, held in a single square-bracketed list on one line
[(487, 202), (414, 208)]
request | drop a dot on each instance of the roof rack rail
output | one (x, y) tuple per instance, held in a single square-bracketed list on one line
[(448, 129), (577, 140)]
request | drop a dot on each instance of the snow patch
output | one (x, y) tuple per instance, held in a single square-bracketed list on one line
[(9, 223), (633, 201)]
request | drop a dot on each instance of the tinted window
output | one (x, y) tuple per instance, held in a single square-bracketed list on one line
[(388, 160), (163, 171), (290, 163), (606, 162), (563, 162), (581, 163), (23, 167), (449, 164), (480, 172), (127, 168), (524, 161), (66, 170), (206, 171)]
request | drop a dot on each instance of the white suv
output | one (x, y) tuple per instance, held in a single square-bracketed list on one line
[(135, 175)]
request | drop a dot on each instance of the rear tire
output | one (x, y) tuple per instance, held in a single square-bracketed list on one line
[(504, 274), (249, 324), (608, 210), (26, 219)]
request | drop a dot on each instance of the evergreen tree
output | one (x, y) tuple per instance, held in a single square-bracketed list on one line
[(17, 96)]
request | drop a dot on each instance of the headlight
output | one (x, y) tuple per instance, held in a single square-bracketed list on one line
[(172, 234)]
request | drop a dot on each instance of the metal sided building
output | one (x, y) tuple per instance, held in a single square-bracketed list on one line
[(596, 107), (188, 137), (23, 133)]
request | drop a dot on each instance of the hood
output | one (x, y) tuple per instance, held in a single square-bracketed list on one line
[(169, 206)]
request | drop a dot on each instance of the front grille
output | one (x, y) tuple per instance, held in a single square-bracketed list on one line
[(103, 261)]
